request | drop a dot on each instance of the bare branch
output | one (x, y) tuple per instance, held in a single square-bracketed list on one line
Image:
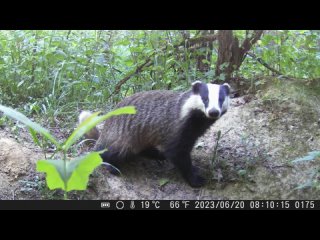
[(125, 79), (264, 63)]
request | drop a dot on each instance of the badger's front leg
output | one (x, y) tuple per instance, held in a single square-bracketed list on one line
[(182, 160)]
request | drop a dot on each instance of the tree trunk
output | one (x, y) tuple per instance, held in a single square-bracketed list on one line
[(230, 54), (226, 42)]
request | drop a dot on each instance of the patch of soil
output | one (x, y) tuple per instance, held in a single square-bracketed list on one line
[(16, 163)]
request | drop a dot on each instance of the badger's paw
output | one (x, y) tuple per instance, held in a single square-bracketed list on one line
[(195, 180)]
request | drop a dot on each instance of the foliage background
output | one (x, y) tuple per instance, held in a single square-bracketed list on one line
[(55, 74)]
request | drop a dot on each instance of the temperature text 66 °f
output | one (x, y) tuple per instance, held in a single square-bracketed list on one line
[(179, 204)]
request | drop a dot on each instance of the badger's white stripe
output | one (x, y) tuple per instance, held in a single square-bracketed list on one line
[(193, 102), (213, 95), (225, 104), (84, 115), (196, 82)]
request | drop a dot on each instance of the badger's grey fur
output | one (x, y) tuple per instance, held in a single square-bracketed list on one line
[(166, 125)]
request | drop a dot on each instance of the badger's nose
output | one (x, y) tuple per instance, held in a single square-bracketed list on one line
[(214, 113)]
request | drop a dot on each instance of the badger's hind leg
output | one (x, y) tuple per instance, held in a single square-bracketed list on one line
[(114, 158), (153, 153)]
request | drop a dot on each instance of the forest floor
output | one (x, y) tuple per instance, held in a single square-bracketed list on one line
[(260, 136)]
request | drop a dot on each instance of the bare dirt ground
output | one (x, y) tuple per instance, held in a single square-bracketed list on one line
[(253, 161)]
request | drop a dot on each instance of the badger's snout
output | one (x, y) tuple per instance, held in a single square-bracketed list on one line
[(214, 113)]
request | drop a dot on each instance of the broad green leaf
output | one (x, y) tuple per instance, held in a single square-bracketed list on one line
[(92, 121), (311, 156), (23, 119), (72, 175), (81, 169), (53, 177)]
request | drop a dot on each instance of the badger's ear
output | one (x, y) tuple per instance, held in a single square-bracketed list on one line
[(227, 88), (196, 87)]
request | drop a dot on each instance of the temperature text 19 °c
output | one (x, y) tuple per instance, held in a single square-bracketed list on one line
[(150, 204)]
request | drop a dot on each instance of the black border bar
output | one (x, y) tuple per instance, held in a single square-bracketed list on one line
[(120, 205)]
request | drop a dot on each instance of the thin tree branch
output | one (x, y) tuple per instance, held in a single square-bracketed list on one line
[(248, 42), (202, 39), (125, 79), (264, 64), (68, 34)]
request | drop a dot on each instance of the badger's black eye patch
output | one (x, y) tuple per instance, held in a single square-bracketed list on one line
[(223, 93), (204, 93)]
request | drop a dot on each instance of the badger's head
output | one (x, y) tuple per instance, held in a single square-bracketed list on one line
[(211, 99)]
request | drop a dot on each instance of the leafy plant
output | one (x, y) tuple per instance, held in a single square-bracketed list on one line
[(66, 174), (309, 157), (313, 180), (215, 150)]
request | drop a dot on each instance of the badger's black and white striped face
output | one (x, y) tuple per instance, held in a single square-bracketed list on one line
[(211, 99)]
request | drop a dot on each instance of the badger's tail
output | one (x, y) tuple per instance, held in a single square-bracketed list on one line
[(94, 133)]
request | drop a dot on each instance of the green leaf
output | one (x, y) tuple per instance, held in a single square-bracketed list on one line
[(23, 119), (74, 175), (20, 83), (124, 42), (128, 62), (242, 172), (266, 39), (82, 168), (136, 49), (222, 77), (310, 157), (60, 52), (92, 121), (53, 177), (83, 128), (163, 182), (205, 61), (170, 61), (304, 186), (34, 136)]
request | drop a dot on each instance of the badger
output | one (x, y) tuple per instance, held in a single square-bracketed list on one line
[(166, 126)]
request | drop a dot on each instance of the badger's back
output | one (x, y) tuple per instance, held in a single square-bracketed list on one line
[(156, 121)]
